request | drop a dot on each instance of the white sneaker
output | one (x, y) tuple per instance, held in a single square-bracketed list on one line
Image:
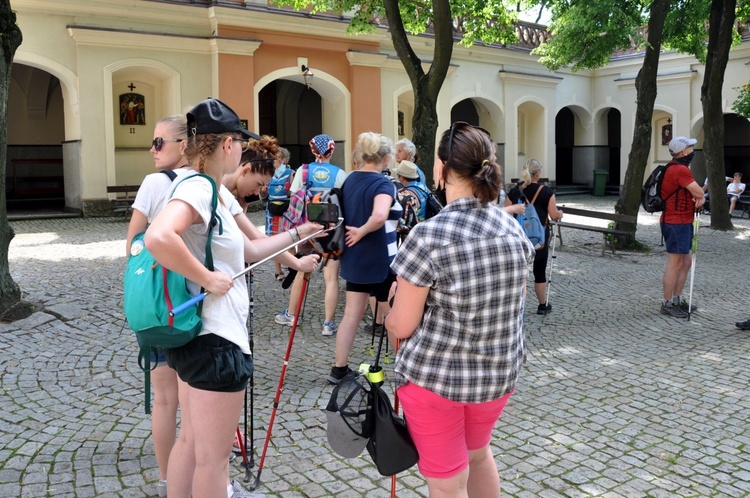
[(330, 328), (284, 318), (161, 488), (240, 492)]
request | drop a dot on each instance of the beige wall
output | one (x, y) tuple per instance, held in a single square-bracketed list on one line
[(183, 54)]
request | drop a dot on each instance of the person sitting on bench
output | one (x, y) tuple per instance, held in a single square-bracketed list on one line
[(734, 191)]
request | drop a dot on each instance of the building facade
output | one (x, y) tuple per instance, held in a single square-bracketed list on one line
[(92, 77)]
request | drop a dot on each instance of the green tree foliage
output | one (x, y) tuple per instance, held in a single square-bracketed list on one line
[(741, 106), (470, 21), (588, 32)]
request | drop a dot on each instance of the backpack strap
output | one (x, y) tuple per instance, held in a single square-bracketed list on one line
[(675, 191), (170, 173), (533, 200)]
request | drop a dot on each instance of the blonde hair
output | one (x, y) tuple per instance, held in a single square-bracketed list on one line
[(530, 168), (373, 147)]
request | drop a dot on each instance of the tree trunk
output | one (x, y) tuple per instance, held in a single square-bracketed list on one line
[(721, 26), (427, 86), (10, 293), (645, 86)]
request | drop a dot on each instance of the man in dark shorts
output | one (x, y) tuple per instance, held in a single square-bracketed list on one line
[(682, 196)]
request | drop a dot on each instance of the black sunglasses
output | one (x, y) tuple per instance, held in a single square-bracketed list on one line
[(158, 142), (463, 124)]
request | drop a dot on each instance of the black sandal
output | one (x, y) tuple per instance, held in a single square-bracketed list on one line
[(280, 277)]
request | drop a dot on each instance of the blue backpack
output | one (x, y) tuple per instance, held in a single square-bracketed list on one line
[(278, 191), (531, 223)]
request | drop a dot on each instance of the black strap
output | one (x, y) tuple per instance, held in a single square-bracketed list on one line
[(170, 173)]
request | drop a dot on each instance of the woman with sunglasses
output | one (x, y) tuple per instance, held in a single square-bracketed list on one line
[(458, 309), (213, 369), (168, 149), (543, 199)]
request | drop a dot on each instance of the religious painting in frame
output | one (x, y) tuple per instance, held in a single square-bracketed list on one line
[(132, 109)]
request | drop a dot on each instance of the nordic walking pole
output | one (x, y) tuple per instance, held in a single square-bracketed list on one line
[(696, 224), (303, 296), (200, 297), (551, 264)]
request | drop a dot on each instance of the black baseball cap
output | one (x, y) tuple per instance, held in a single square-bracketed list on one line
[(214, 116)]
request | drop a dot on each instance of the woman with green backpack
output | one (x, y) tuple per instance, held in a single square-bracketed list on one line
[(213, 369)]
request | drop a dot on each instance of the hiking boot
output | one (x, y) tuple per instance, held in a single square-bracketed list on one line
[(240, 492), (673, 309), (743, 325), (284, 318), (684, 306), (543, 309), (330, 328), (338, 373), (161, 489)]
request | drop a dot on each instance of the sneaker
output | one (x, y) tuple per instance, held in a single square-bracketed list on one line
[(330, 328), (236, 446), (543, 309), (338, 373), (673, 309), (161, 488), (240, 492), (743, 325), (284, 318)]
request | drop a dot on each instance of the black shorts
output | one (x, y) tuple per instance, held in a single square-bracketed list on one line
[(379, 291), (211, 363)]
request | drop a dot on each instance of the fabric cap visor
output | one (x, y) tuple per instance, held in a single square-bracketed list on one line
[(214, 116), (341, 438)]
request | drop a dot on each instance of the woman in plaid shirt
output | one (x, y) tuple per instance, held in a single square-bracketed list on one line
[(459, 311)]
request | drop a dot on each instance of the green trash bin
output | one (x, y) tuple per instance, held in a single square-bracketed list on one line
[(600, 181)]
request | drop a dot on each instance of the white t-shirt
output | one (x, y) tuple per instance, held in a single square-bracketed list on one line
[(152, 193), (737, 189), (226, 315)]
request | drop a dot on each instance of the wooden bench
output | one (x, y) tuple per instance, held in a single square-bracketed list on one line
[(125, 197), (744, 206), (621, 218)]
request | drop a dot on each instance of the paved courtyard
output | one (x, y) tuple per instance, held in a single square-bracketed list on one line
[(616, 399)]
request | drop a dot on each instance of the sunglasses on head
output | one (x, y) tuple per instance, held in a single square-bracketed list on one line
[(460, 125), (158, 142)]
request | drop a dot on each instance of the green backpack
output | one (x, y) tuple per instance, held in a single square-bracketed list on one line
[(151, 291)]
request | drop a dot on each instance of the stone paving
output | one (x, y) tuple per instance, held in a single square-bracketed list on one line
[(616, 399)]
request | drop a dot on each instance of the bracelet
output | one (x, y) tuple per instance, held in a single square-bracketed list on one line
[(295, 235)]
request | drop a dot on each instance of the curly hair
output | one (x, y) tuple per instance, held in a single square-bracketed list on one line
[(261, 154)]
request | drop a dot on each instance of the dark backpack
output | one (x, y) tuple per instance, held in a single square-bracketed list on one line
[(332, 244), (410, 217), (651, 198)]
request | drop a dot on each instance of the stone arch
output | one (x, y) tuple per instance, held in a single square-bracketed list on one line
[(336, 103)]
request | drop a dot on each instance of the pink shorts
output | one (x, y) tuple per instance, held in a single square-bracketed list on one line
[(444, 431)]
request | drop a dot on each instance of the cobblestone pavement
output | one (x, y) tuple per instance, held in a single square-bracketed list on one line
[(616, 400)]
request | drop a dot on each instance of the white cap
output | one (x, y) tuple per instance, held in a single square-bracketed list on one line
[(678, 144)]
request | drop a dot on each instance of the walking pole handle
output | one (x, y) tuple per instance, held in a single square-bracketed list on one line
[(191, 302), (200, 297)]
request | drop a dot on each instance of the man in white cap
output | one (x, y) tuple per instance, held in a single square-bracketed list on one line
[(682, 197)]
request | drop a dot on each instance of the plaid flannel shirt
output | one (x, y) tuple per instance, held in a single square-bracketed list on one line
[(469, 346)]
